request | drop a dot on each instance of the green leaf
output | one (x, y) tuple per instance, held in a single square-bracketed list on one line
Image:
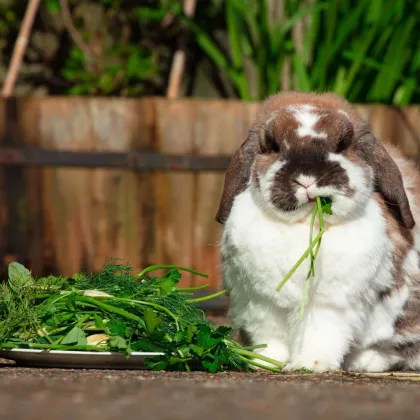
[(116, 328), (156, 363), (404, 92), (99, 322), (197, 349), (225, 331), (303, 82), (143, 344), (151, 319), (212, 367), (184, 351), (168, 283), (75, 336), (148, 14), (71, 302), (357, 63), (326, 204), (204, 338), (19, 276), (233, 27), (52, 5), (179, 336), (191, 329), (117, 342)]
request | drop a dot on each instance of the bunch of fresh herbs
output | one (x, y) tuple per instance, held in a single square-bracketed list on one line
[(117, 310)]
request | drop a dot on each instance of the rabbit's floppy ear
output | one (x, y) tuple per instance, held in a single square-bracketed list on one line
[(388, 177), (238, 173)]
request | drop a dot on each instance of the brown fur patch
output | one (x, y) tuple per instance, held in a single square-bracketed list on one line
[(262, 164), (402, 240)]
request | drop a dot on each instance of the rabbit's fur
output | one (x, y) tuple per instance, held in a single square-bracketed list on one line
[(363, 306)]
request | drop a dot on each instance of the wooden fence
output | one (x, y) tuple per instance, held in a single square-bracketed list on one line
[(152, 202)]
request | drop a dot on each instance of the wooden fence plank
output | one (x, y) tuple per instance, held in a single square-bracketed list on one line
[(175, 192), (220, 128), (66, 123)]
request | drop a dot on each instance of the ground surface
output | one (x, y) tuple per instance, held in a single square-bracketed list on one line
[(28, 394)]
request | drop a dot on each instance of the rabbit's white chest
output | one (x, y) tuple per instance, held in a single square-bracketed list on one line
[(354, 259)]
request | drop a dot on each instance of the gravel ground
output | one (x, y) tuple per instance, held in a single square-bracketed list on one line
[(30, 394)]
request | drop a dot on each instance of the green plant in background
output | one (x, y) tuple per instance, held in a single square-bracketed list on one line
[(366, 50), (132, 68), (116, 65), (101, 49)]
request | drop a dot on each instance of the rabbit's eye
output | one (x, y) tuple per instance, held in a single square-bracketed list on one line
[(272, 145), (341, 146)]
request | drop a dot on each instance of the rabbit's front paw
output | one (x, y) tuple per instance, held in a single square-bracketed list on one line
[(314, 365), (276, 350), (371, 360)]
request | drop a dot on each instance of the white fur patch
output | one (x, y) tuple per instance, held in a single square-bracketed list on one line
[(344, 113), (307, 118), (266, 180), (353, 264), (306, 180)]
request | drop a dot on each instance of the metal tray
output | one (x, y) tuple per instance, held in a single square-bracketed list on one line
[(76, 359)]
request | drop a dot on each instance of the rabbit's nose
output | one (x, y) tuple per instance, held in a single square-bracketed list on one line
[(305, 180)]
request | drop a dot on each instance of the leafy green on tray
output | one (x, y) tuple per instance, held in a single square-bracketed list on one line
[(118, 310)]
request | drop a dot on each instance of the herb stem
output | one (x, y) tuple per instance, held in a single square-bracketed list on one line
[(301, 259), (109, 308), (258, 346), (260, 365), (204, 286), (155, 305), (321, 221), (169, 267), (202, 299), (253, 355), (311, 235)]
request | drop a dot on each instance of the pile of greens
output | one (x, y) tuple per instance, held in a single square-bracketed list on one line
[(323, 206), (117, 310)]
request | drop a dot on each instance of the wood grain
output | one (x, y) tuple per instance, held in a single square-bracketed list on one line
[(220, 128)]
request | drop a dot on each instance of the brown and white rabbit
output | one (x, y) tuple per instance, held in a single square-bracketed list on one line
[(363, 308)]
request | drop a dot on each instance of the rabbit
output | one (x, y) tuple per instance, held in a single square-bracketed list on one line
[(362, 312)]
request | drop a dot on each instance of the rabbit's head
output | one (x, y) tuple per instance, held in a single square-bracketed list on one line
[(307, 145)]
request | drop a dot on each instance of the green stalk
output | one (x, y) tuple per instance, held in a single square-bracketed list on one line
[(257, 346), (317, 210), (301, 259), (305, 294), (155, 305), (109, 308), (311, 235), (204, 286), (253, 355), (321, 221), (169, 267), (202, 299), (260, 365)]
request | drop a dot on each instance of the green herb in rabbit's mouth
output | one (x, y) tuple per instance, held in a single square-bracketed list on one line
[(323, 205)]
